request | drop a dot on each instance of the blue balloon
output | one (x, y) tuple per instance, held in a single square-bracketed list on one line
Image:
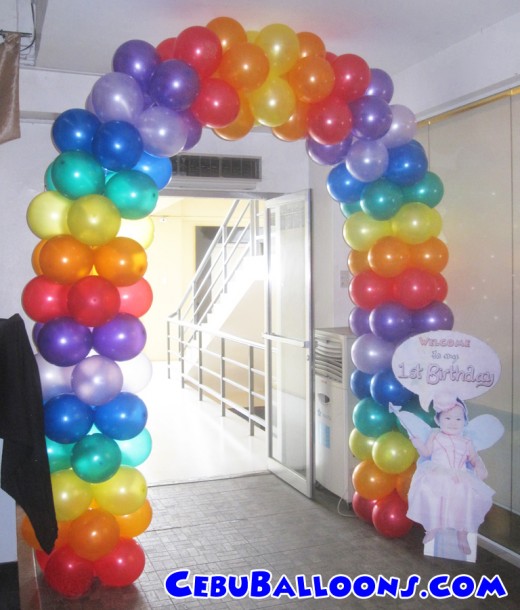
[(360, 384), (123, 418), (74, 129), (342, 186), (407, 164), (159, 169), (67, 419), (385, 388), (117, 145)]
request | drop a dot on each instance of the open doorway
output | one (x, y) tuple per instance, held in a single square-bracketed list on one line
[(191, 440)]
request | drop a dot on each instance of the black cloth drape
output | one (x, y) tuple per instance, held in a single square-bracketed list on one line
[(25, 474)]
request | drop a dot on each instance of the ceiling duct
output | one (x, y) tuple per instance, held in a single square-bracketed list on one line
[(214, 172)]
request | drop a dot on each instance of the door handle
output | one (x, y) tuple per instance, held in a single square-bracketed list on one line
[(288, 340)]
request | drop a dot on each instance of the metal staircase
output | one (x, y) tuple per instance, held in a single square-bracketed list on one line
[(221, 360)]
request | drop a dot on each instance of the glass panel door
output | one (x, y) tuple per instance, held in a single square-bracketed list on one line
[(289, 342)]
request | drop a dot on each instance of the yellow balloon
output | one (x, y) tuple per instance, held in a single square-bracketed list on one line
[(361, 445), (281, 45), (72, 496), (393, 452), (142, 231), (94, 220), (122, 494), (47, 214), (361, 231), (416, 222), (273, 103)]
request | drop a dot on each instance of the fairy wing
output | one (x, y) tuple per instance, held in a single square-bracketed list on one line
[(484, 430), (414, 425)]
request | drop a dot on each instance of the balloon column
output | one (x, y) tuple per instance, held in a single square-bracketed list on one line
[(93, 222)]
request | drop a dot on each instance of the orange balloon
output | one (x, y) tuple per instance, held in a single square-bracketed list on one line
[(135, 523), (229, 31), (311, 44), (389, 256), (245, 66), (431, 255), (241, 126), (35, 259), (357, 262), (371, 482), (296, 127), (65, 260), (403, 480), (122, 261), (28, 534), (312, 79), (94, 534)]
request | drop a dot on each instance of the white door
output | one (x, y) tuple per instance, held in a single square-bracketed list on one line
[(289, 344)]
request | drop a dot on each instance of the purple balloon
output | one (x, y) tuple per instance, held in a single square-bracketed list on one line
[(117, 97), (174, 84), (328, 154), (391, 321), (96, 380), (194, 129), (163, 131), (138, 59), (64, 342), (120, 339), (402, 129), (381, 84), (359, 321), (435, 316), (367, 160), (371, 117), (371, 354)]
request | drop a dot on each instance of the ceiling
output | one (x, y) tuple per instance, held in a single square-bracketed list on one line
[(82, 35)]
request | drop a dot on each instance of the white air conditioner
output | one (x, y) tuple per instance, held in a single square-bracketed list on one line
[(198, 183)]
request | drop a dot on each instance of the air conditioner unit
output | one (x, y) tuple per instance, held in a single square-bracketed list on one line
[(214, 173)]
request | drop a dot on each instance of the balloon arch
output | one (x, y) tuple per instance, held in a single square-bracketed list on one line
[(93, 222)]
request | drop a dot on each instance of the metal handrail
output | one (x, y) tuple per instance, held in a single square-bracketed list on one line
[(255, 376)]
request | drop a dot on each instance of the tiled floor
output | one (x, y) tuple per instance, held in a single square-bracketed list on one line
[(248, 519)]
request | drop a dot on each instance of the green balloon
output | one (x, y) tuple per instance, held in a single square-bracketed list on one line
[(414, 406), (96, 458), (372, 418), (135, 194), (347, 209), (428, 190), (49, 184), (58, 454), (136, 450), (77, 173), (381, 199)]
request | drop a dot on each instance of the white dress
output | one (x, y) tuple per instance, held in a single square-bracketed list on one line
[(444, 492)]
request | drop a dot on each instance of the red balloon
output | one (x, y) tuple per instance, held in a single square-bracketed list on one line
[(352, 76), (330, 121), (43, 299), (69, 574), (363, 507), (389, 516), (441, 287), (122, 566), (166, 49), (415, 288), (93, 300), (368, 290), (199, 47), (217, 103), (136, 299)]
